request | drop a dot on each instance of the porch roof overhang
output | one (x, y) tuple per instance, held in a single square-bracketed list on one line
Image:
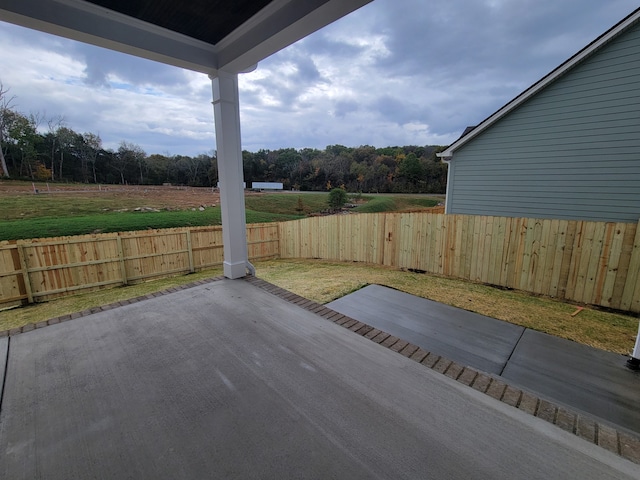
[(200, 35), (221, 38)]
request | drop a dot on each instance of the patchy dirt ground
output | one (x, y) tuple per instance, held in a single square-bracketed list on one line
[(162, 197), (127, 197), (436, 209)]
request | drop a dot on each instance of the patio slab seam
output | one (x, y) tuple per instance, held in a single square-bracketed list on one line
[(620, 443)]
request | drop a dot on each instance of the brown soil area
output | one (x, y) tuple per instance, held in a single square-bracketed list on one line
[(436, 209), (171, 197)]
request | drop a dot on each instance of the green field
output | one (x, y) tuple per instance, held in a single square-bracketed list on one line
[(34, 216), (292, 204), (119, 222), (288, 203)]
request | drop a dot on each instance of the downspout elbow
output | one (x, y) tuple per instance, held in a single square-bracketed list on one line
[(251, 269)]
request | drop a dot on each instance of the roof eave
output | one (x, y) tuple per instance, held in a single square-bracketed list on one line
[(89, 23), (602, 40), (444, 157), (278, 25)]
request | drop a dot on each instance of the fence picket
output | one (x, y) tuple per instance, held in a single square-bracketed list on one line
[(631, 291), (590, 262)]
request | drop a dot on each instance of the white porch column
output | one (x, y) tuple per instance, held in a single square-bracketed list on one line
[(226, 109)]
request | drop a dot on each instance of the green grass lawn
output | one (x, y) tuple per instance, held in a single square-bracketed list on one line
[(123, 221), (288, 203), (324, 281), (376, 204), (35, 216), (296, 203), (29, 206)]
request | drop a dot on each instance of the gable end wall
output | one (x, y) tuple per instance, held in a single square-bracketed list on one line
[(570, 152)]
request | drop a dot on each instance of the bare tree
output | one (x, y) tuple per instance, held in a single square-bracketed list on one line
[(36, 118), (5, 108), (65, 140), (54, 124), (91, 145), (129, 155)]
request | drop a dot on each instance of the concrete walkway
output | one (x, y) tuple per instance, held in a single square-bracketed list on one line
[(225, 380), (566, 372)]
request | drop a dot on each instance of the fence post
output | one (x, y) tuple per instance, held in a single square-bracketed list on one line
[(25, 272), (388, 255), (631, 291), (123, 269), (190, 251)]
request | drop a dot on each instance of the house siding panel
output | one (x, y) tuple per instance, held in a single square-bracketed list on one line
[(572, 151)]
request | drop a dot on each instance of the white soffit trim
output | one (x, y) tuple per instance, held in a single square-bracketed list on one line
[(263, 15), (100, 11), (603, 39), (278, 25), (93, 24)]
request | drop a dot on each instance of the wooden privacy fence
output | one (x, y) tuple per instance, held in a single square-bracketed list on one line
[(589, 262), (38, 270)]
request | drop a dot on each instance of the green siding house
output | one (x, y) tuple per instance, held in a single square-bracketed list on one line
[(568, 147)]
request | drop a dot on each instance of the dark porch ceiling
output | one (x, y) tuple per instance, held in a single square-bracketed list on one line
[(200, 35), (206, 20)]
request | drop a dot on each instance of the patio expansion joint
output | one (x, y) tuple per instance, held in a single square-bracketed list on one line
[(513, 350), (4, 373), (618, 442)]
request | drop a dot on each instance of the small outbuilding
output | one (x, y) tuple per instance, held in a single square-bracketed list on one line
[(568, 147), (266, 186)]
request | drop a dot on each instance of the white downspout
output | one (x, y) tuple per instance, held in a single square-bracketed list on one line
[(634, 361), (447, 160)]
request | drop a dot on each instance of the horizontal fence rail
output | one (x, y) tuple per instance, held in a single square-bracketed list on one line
[(588, 262), (595, 263), (42, 269)]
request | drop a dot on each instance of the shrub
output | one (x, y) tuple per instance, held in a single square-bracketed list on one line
[(337, 198)]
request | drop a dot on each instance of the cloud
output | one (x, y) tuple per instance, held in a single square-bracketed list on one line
[(101, 65), (395, 72), (398, 110), (118, 96), (344, 107), (283, 82)]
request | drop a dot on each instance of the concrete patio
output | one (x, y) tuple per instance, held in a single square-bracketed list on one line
[(227, 380), (579, 377)]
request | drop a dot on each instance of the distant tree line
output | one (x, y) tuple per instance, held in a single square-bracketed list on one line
[(409, 169), (45, 149)]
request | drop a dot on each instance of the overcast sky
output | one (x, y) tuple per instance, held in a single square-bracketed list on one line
[(396, 72)]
